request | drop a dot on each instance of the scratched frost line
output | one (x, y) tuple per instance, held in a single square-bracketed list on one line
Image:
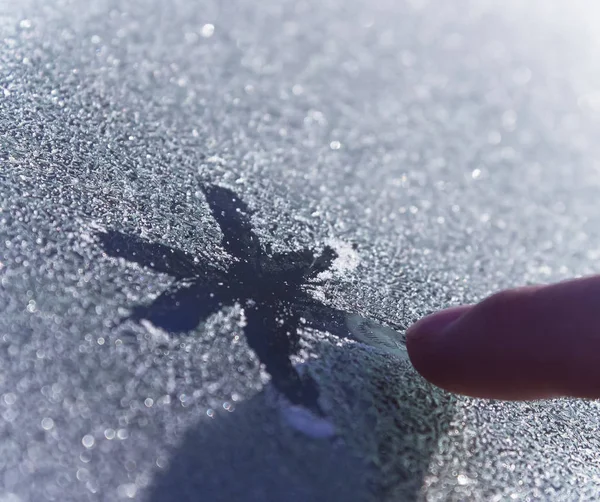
[(274, 290)]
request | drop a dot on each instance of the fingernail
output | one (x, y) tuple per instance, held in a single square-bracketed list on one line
[(435, 324)]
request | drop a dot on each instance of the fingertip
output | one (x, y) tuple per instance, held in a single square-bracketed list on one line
[(425, 341), (528, 343), (434, 324)]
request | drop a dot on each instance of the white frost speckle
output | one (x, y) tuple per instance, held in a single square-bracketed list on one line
[(347, 259), (127, 490), (207, 30)]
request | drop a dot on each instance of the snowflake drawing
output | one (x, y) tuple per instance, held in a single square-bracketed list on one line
[(274, 290)]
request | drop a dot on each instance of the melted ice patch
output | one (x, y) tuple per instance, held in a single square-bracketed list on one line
[(158, 336), (306, 422), (376, 335)]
